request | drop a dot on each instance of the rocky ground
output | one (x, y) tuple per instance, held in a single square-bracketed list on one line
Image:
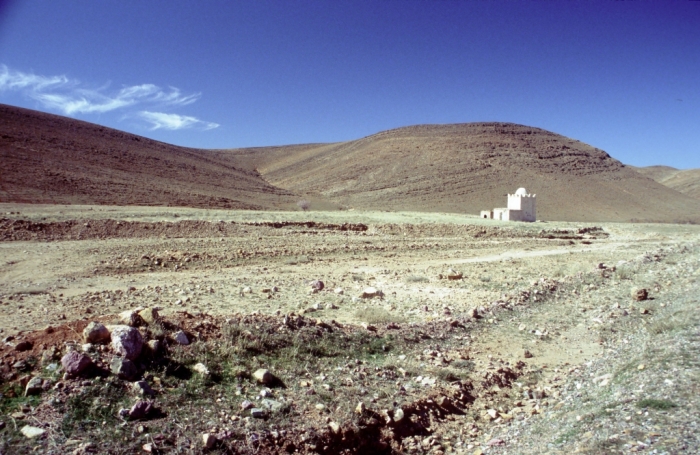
[(380, 333)]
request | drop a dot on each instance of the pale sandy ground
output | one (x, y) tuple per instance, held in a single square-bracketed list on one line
[(47, 283)]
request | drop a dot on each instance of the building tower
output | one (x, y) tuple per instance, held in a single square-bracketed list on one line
[(521, 206)]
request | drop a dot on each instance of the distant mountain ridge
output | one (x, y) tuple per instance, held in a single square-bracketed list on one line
[(461, 168), (686, 181), (471, 167)]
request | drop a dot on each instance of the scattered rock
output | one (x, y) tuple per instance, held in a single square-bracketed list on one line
[(369, 327), (24, 346), (32, 432), (209, 440), (360, 408), (454, 275), (398, 415), (264, 376), (201, 369), (339, 291), (247, 405), (317, 285), (131, 317), (335, 428), (34, 387), (95, 332), (142, 388), (126, 341), (149, 315), (180, 337), (75, 363), (527, 354), (124, 368), (140, 410), (272, 405), (257, 413), (640, 294), (320, 407), (371, 292), (265, 393), (154, 347)]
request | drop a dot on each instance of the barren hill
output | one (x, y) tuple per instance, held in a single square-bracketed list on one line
[(469, 167), (47, 158), (686, 181), (460, 168)]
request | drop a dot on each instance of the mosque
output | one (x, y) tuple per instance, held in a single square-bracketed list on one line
[(521, 207)]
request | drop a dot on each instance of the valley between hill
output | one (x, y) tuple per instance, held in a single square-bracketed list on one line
[(461, 168)]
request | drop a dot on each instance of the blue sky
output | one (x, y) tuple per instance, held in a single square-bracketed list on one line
[(623, 76)]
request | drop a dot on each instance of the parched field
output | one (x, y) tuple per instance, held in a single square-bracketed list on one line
[(456, 334)]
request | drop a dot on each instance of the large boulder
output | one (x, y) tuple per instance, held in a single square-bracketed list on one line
[(76, 363), (124, 369), (95, 332), (126, 341)]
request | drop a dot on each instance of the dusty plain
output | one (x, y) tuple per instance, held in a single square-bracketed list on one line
[(480, 336)]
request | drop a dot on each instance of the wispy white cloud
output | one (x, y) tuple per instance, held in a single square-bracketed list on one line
[(161, 120), (66, 95), (15, 80)]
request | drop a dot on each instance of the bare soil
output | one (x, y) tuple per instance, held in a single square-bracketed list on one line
[(450, 353)]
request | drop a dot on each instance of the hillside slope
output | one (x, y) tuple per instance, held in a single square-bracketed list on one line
[(686, 181), (47, 158), (469, 167), (461, 168)]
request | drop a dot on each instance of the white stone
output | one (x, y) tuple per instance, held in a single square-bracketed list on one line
[(209, 440), (32, 432), (263, 376), (126, 341), (335, 428), (201, 369)]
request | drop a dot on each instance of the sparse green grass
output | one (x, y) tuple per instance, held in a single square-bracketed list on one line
[(297, 260), (416, 279), (450, 374), (85, 413), (653, 403), (374, 315), (11, 398), (623, 273)]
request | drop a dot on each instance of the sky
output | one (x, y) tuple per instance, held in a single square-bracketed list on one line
[(623, 76)]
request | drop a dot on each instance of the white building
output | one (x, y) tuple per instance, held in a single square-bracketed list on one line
[(521, 207)]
